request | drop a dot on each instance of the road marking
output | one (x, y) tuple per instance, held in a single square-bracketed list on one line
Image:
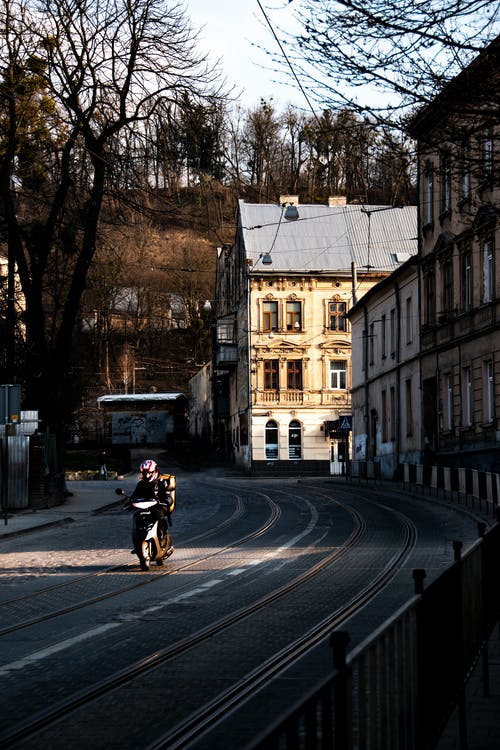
[(62, 645), (51, 650)]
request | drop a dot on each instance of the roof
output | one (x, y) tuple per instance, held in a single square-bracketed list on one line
[(328, 238), (137, 397), (473, 92)]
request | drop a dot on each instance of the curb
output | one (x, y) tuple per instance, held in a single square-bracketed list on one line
[(32, 529)]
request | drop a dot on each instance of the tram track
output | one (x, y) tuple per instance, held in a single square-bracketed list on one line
[(143, 580), (228, 700)]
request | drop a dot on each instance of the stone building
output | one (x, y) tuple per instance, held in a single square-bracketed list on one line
[(459, 202), (386, 374), (282, 344)]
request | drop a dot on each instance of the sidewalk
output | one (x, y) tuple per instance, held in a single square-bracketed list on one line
[(482, 713), (87, 496)]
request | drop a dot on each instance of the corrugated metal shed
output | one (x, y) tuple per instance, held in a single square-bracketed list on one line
[(328, 238)]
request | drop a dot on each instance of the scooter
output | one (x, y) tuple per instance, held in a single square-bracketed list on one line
[(148, 546)]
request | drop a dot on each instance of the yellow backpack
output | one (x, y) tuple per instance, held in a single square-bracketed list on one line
[(169, 479)]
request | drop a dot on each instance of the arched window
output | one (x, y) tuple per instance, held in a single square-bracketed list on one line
[(272, 445), (294, 440)]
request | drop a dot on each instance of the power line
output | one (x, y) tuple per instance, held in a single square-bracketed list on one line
[(288, 63)]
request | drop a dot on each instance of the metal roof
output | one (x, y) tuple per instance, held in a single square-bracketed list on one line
[(137, 397), (328, 238)]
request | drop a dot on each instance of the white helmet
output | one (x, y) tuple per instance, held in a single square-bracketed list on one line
[(149, 470)]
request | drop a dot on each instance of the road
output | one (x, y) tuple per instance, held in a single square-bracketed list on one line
[(206, 650)]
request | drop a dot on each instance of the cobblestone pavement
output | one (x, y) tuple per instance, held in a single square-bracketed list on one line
[(482, 712)]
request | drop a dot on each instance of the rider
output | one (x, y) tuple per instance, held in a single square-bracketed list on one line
[(152, 486)]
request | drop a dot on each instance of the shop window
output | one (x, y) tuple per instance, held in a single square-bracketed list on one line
[(294, 441), (272, 441)]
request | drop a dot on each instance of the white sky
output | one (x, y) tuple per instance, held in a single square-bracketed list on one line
[(230, 27)]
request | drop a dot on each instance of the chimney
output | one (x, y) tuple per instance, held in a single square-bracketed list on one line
[(337, 200), (293, 199)]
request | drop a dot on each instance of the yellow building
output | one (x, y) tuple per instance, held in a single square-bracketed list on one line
[(282, 349)]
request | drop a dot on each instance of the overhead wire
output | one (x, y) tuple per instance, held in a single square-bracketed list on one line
[(304, 94)]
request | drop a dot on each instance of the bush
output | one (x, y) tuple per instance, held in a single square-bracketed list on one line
[(89, 459)]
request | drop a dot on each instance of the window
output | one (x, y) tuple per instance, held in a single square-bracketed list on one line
[(338, 374), (392, 416), (447, 287), (294, 441), (430, 298), (384, 416), (467, 281), (488, 156), (272, 444), (293, 316), (269, 316), (225, 331), (409, 408), (337, 316), (489, 389), (372, 342), (449, 403), (465, 169), (467, 397), (487, 272), (271, 374), (294, 374), (446, 185), (409, 320), (383, 343), (392, 331), (428, 213)]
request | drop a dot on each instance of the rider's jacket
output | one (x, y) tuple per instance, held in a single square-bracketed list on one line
[(160, 490)]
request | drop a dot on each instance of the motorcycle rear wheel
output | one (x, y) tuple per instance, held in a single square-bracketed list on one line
[(145, 556)]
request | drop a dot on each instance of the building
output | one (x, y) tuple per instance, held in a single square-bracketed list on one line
[(143, 418), (282, 340), (431, 394), (386, 374), (459, 202)]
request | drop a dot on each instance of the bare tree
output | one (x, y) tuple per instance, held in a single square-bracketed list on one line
[(105, 68), (381, 57)]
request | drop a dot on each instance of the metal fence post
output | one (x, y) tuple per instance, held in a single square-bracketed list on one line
[(339, 640)]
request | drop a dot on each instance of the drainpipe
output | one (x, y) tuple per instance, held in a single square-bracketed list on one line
[(365, 362), (249, 372), (354, 278), (397, 415)]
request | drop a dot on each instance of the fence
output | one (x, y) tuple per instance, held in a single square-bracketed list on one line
[(397, 689), (28, 475), (473, 487)]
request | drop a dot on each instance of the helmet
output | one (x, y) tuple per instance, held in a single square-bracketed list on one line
[(149, 470)]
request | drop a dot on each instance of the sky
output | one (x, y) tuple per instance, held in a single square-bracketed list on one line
[(230, 28)]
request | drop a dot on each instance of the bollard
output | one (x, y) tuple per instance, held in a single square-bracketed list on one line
[(418, 577)]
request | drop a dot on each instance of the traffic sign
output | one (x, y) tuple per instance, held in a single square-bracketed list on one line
[(345, 422)]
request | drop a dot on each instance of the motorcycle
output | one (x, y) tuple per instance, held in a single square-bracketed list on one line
[(149, 546)]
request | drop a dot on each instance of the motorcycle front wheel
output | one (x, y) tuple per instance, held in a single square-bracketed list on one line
[(145, 556)]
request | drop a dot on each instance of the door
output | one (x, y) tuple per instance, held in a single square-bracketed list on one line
[(338, 456)]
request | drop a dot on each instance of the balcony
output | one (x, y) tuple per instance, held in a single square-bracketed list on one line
[(282, 398), (226, 355)]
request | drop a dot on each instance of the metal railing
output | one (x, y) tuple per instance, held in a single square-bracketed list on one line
[(398, 688)]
